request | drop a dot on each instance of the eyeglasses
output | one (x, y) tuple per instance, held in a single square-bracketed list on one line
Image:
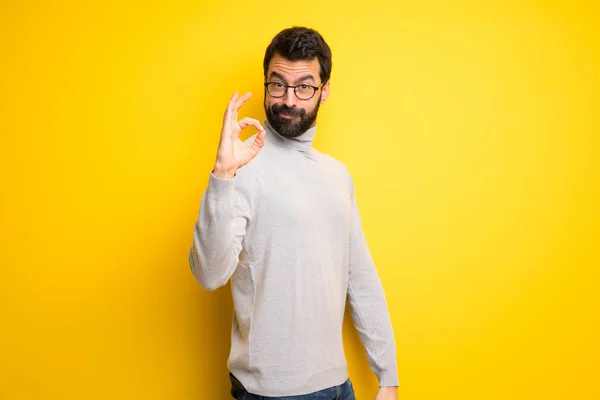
[(303, 92)]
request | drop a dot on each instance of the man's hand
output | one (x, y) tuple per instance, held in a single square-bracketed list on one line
[(233, 153), (387, 393)]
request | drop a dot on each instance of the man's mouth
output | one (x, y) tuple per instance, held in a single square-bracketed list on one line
[(287, 116)]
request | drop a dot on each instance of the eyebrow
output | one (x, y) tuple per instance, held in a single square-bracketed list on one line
[(304, 78)]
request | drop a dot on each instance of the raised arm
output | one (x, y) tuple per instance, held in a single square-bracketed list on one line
[(225, 208)]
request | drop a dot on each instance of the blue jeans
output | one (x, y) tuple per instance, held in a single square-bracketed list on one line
[(340, 392)]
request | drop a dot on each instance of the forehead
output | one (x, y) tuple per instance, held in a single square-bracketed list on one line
[(294, 69)]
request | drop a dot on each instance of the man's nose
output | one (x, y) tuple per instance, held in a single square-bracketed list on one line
[(290, 98)]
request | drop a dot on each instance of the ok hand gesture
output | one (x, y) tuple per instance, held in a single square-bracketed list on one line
[(233, 153)]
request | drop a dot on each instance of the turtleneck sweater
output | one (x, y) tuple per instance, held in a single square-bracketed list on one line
[(286, 230)]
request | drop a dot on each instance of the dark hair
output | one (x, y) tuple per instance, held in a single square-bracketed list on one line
[(299, 43)]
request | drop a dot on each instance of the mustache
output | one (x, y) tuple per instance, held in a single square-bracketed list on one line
[(283, 109)]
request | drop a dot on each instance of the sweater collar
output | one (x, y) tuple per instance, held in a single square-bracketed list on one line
[(302, 143)]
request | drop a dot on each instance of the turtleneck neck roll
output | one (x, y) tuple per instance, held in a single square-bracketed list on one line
[(303, 142)]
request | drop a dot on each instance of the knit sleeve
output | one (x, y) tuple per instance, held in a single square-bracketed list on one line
[(219, 231), (368, 305)]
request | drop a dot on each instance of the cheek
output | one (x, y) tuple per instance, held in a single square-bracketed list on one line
[(312, 107), (269, 103)]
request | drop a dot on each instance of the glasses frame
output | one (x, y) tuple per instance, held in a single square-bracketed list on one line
[(315, 89)]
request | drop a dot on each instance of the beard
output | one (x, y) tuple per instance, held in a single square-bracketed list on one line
[(291, 128)]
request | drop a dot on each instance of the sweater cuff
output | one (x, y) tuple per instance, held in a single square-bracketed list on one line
[(388, 378), (222, 179), (220, 187), (388, 374)]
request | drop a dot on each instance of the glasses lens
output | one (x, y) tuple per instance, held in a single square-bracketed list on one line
[(305, 92), (276, 89)]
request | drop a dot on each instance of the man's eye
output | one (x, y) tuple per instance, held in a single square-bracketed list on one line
[(278, 84), (304, 87)]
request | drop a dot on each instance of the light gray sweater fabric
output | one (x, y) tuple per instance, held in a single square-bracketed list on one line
[(287, 231)]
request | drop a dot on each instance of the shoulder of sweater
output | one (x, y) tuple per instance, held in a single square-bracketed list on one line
[(336, 164), (328, 158)]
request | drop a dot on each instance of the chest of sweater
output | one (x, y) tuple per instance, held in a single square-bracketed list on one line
[(301, 204), (297, 237), (301, 198)]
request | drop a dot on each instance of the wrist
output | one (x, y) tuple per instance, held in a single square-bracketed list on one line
[(223, 173)]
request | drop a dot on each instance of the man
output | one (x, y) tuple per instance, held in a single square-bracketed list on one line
[(280, 219)]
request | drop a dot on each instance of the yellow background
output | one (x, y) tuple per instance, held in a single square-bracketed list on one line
[(471, 131)]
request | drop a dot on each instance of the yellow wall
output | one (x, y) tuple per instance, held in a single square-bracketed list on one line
[(471, 130)]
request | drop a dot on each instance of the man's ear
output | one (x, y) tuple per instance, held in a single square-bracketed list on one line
[(325, 92)]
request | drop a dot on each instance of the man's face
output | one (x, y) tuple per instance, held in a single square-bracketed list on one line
[(289, 115)]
